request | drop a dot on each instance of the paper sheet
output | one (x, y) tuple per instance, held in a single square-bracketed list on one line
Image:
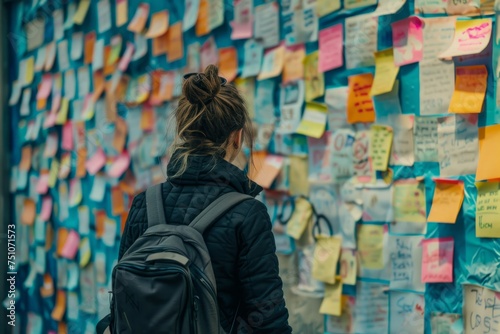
[(372, 308), (331, 47), (228, 60), (158, 25), (314, 120), (242, 23), (361, 150), (405, 254), (385, 72), (480, 310), (409, 201), (426, 139), (359, 104), (299, 183), (300, 218), (447, 201), (360, 40), (377, 203), (370, 246), (348, 266), (487, 210), (470, 89), (325, 7), (380, 146), (190, 14), (291, 100), (403, 142), (343, 324), (272, 63), (266, 27), (336, 101), (294, 64), (471, 37), (437, 260), (314, 80), (407, 36), (442, 323), (138, 22), (407, 312), (104, 21), (430, 6), (341, 159), (175, 42), (253, 53), (60, 307), (270, 169), (81, 12), (489, 137)]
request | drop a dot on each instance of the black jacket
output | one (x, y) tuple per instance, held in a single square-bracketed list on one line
[(241, 244)]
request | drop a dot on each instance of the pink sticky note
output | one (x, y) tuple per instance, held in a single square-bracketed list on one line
[(95, 163), (437, 260), (331, 48), (56, 103), (45, 87), (407, 38), (241, 30), (67, 136), (51, 145), (71, 245), (43, 184), (46, 208), (120, 165), (208, 53), (127, 56)]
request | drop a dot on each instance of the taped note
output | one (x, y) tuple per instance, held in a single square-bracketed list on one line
[(437, 260), (447, 201)]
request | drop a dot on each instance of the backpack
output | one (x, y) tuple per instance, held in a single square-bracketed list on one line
[(165, 283)]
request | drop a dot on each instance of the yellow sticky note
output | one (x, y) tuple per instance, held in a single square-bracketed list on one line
[(409, 201), (81, 13), (447, 201), (371, 246), (314, 120), (471, 37), (385, 72), (380, 146), (470, 90), (325, 7), (62, 115), (299, 173), (488, 210), (272, 63), (489, 159), (314, 80), (300, 218), (332, 302), (121, 12), (159, 24), (348, 266), (326, 257), (54, 171), (60, 307), (30, 70)]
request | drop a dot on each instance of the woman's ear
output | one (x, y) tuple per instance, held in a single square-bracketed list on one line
[(238, 139)]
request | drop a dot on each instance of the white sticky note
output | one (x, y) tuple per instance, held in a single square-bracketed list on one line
[(62, 55), (83, 220), (40, 257), (104, 16), (77, 45), (69, 84), (83, 78), (73, 275), (141, 47), (58, 21), (98, 56)]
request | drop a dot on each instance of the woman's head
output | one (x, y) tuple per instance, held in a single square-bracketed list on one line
[(211, 118)]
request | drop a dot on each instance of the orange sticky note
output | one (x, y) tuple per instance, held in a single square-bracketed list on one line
[(155, 98), (100, 220), (359, 103), (99, 84), (49, 236), (62, 328), (89, 47), (203, 21), (29, 212), (175, 44), (26, 153), (47, 289), (489, 159), (470, 90), (160, 44), (120, 134), (447, 201), (60, 307), (81, 158), (147, 118), (62, 235), (109, 66), (41, 104), (158, 25), (121, 12), (270, 169), (294, 63), (117, 200), (140, 18), (228, 60)]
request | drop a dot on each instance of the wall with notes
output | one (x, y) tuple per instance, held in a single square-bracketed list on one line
[(377, 130)]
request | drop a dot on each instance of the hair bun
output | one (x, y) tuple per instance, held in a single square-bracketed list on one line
[(202, 87)]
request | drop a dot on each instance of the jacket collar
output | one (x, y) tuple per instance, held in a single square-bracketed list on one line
[(205, 169)]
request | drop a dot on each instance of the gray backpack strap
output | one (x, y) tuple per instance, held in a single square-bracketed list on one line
[(154, 205), (216, 210)]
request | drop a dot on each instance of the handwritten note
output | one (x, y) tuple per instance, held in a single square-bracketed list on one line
[(291, 100), (442, 323), (489, 137), (325, 7), (361, 152), (437, 260), (385, 72), (326, 257), (341, 158), (488, 210), (426, 139), (266, 27), (243, 19), (377, 203), (405, 253), (336, 101), (430, 6), (407, 37), (470, 89), (447, 201), (370, 246), (380, 146), (314, 120), (409, 201), (300, 218), (372, 308), (403, 143), (436, 76), (314, 80), (360, 40), (359, 103), (480, 312), (294, 64), (458, 145), (471, 37), (252, 55), (407, 312), (299, 183), (273, 62), (331, 48)]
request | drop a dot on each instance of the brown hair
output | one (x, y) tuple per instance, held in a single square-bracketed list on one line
[(209, 111)]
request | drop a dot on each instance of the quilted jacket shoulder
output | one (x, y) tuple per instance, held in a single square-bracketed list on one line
[(241, 244)]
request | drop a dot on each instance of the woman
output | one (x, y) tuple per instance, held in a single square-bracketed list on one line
[(212, 124)]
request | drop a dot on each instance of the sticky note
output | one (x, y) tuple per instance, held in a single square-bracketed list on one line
[(413, 316), (293, 69), (160, 44), (409, 201), (350, 4), (325, 7), (71, 245), (140, 18), (489, 137), (81, 158), (407, 37), (385, 72), (26, 154), (228, 60), (121, 12), (348, 266), (471, 37), (158, 25), (331, 47), (46, 211), (75, 192), (380, 146), (272, 63), (60, 307), (216, 14), (202, 23), (371, 246), (90, 39), (175, 42), (96, 162), (359, 103), (332, 302), (437, 260), (81, 12), (488, 210), (28, 214), (45, 87), (84, 252), (269, 171), (447, 201), (326, 257), (266, 24), (300, 218), (109, 235), (313, 122), (208, 53), (117, 201), (119, 165), (242, 24), (470, 89), (191, 8), (299, 183), (314, 80), (127, 57), (47, 289)]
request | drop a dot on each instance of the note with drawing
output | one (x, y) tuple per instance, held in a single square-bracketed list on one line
[(341, 158), (360, 40), (377, 203), (407, 313), (437, 260), (471, 37)]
